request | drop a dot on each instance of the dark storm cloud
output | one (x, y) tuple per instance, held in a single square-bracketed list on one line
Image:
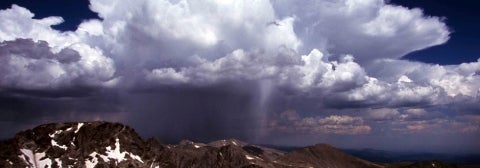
[(27, 108), (37, 50), (24, 110), (205, 113)]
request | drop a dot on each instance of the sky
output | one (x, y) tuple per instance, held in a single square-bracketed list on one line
[(394, 75)]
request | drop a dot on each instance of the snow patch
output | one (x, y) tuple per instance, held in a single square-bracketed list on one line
[(196, 146), (27, 156), (55, 133), (224, 142), (115, 153), (9, 162), (91, 163), (78, 127), (151, 164), (58, 161), (46, 162), (35, 159), (136, 157), (249, 157), (120, 156), (54, 143)]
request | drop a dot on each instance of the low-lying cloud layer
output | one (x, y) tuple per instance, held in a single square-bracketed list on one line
[(291, 122), (216, 66)]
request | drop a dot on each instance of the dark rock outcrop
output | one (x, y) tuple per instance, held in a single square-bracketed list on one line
[(78, 144)]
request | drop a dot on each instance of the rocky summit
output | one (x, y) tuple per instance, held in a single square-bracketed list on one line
[(104, 144), (94, 144)]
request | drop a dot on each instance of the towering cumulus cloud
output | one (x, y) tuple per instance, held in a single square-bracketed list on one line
[(36, 57), (253, 69)]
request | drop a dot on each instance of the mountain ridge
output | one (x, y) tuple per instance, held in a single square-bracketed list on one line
[(105, 144)]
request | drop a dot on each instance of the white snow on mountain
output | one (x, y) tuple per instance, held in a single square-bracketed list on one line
[(111, 155), (36, 160)]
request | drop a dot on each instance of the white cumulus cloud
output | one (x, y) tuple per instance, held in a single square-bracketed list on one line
[(35, 56)]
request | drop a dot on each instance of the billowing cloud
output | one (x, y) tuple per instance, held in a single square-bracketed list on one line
[(202, 43), (409, 83), (36, 57), (164, 34), (368, 29), (238, 65)]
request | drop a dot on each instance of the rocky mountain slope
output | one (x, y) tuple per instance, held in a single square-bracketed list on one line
[(104, 144)]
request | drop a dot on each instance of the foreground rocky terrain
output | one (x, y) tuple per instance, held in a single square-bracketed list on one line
[(104, 144)]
